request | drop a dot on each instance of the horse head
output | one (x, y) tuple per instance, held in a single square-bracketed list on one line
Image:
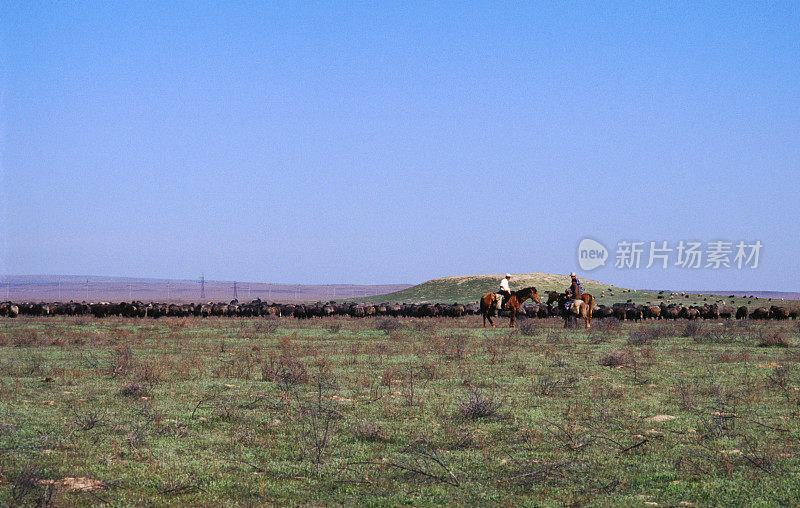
[(531, 293)]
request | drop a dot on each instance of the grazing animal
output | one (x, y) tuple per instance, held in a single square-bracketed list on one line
[(489, 304)]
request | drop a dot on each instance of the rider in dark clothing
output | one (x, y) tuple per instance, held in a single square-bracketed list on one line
[(575, 290)]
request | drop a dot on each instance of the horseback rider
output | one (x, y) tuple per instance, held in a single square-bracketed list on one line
[(575, 289), (505, 291)]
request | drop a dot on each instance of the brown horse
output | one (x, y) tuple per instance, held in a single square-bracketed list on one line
[(583, 310), (489, 304)]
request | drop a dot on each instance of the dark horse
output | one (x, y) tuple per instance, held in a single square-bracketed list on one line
[(489, 304), (573, 310)]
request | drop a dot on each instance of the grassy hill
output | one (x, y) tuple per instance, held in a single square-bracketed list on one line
[(468, 288)]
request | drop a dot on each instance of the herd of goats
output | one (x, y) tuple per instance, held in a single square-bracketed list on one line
[(622, 311)]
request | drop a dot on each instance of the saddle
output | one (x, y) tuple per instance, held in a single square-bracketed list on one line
[(498, 298)]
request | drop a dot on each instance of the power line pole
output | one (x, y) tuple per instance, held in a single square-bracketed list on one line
[(202, 287)]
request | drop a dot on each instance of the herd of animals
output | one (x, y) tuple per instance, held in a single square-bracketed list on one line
[(537, 309)]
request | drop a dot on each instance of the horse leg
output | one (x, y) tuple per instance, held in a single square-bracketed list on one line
[(513, 316)]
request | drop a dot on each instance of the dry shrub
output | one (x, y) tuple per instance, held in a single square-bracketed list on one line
[(120, 360), (609, 324), (780, 376), (154, 371), (389, 376), (730, 356), (529, 327), (388, 324), (684, 392), (284, 369), (429, 370), (267, 325), (649, 335), (714, 335), (134, 389), (424, 325), (615, 358), (365, 430), (691, 329), (26, 338), (766, 337), (477, 405), (492, 350)]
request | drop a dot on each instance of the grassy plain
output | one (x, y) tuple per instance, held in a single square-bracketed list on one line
[(395, 411)]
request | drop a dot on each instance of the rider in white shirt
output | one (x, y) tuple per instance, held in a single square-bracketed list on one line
[(504, 289)]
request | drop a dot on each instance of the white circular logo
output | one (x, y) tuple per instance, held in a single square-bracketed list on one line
[(591, 254)]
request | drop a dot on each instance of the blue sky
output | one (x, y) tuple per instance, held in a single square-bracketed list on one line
[(397, 141)]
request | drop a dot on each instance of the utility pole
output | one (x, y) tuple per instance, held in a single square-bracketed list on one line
[(235, 293), (202, 287)]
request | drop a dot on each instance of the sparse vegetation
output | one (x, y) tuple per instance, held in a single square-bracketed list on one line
[(215, 411)]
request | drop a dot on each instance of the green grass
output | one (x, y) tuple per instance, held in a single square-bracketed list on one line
[(437, 411)]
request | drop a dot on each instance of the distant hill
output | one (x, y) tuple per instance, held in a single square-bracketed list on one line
[(468, 288), (90, 288)]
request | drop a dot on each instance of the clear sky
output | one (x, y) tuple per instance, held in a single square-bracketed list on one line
[(397, 141)]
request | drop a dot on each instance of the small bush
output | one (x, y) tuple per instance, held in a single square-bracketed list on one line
[(26, 338), (134, 389), (282, 369), (365, 430), (691, 329), (268, 325), (714, 335), (476, 405), (615, 358), (388, 324), (120, 360), (772, 338), (609, 324), (649, 335), (389, 376), (530, 327)]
